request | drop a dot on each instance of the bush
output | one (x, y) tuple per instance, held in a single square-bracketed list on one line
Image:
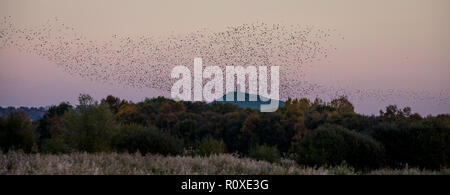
[(54, 145), (264, 152), (17, 132), (210, 146), (133, 138), (333, 145)]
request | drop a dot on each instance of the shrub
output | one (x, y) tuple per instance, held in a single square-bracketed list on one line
[(133, 138), (54, 145), (333, 145), (210, 146), (17, 132), (265, 152)]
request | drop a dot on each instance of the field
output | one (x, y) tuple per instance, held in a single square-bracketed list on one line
[(124, 163)]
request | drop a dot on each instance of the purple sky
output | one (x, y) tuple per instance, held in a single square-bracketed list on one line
[(389, 47)]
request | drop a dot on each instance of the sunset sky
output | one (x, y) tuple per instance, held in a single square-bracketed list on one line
[(385, 45)]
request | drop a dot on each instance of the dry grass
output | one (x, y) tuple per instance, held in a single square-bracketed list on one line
[(115, 163)]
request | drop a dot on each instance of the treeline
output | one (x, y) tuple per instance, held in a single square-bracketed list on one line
[(35, 113), (314, 133)]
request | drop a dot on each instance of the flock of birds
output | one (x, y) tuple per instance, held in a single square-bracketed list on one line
[(147, 61)]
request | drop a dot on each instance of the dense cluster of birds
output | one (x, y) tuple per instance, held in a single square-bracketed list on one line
[(147, 61)]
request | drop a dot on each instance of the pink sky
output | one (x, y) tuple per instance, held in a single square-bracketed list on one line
[(399, 45)]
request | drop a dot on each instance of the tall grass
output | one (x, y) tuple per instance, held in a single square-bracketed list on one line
[(124, 163)]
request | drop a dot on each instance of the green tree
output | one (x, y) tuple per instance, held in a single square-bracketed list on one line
[(423, 143), (114, 103), (209, 146), (265, 152), (342, 105), (133, 138), (17, 132), (91, 127), (52, 121), (333, 145)]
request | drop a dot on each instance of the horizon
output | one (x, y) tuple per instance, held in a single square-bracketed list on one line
[(234, 102)]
